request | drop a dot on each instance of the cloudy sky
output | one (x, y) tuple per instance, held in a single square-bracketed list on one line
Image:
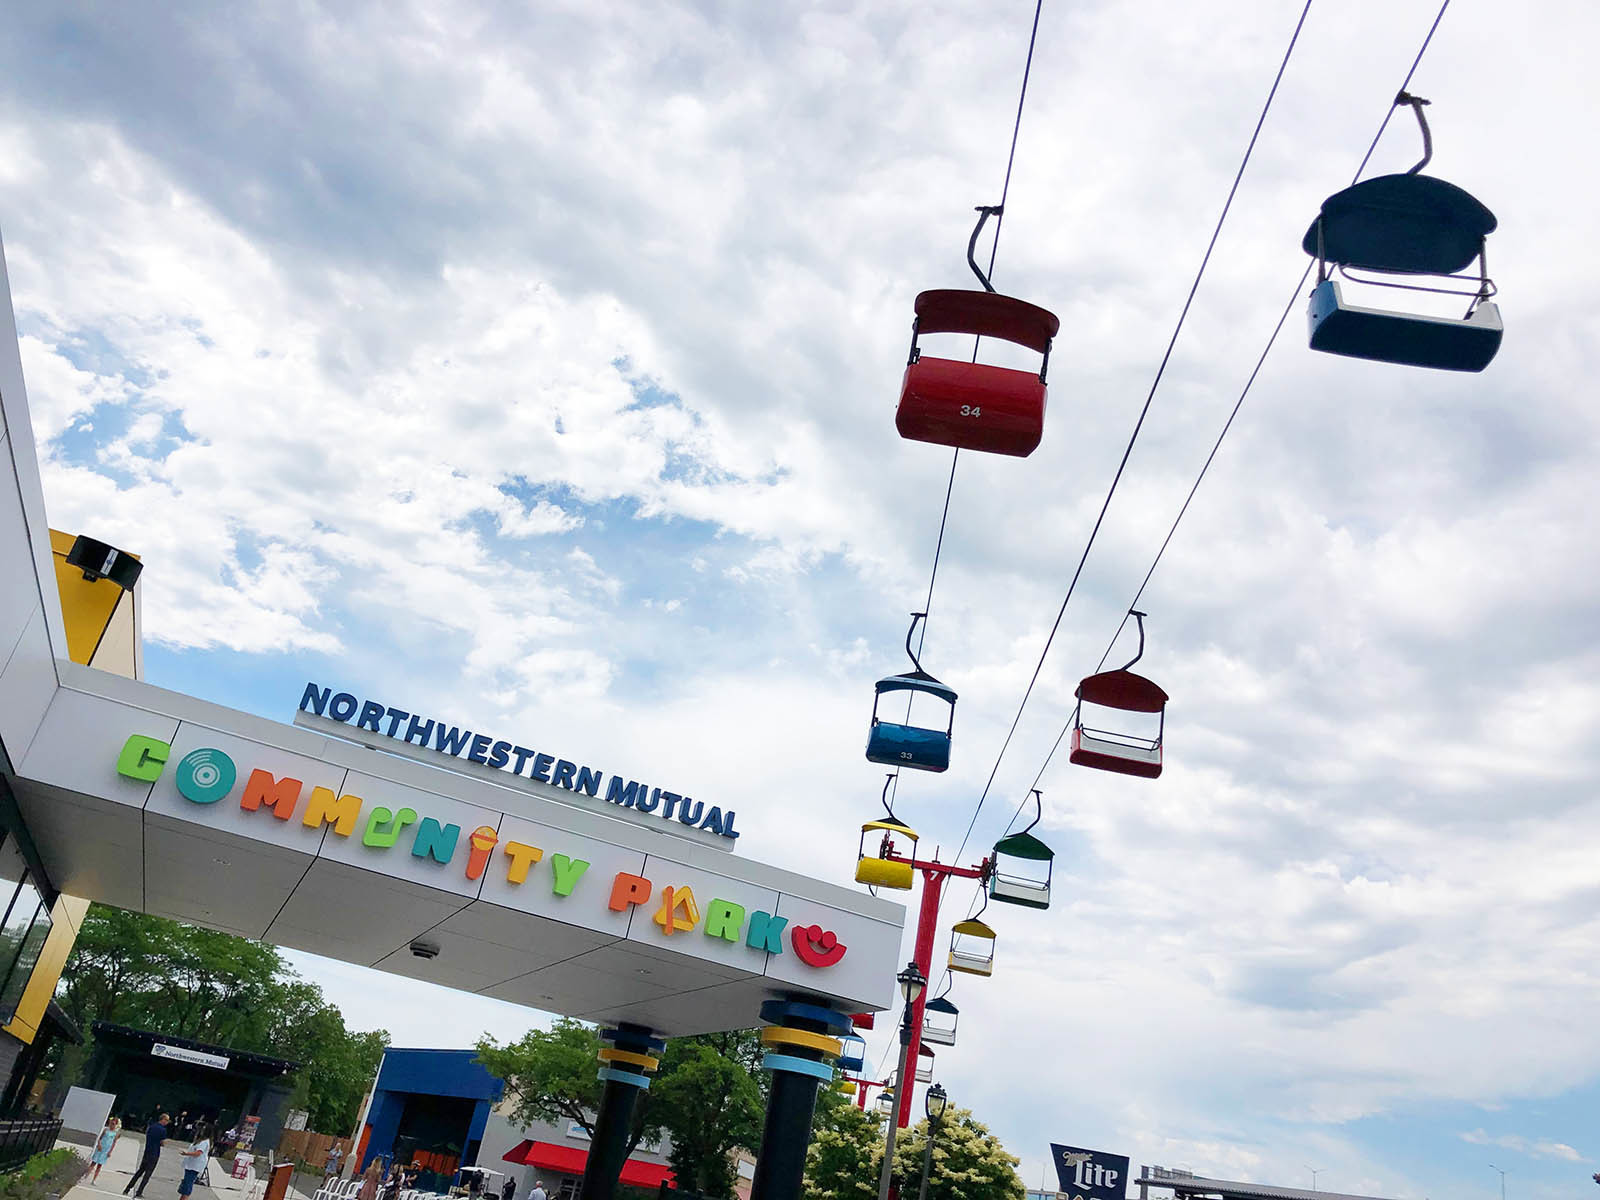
[(536, 364)]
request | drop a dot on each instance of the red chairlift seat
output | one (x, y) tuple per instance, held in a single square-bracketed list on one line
[(1112, 750), (975, 406)]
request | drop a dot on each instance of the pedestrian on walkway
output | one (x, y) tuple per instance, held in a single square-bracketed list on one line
[(102, 1146), (538, 1190), (508, 1190), (196, 1158), (153, 1137)]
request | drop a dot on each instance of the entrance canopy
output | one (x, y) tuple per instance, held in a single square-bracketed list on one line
[(571, 1160), (158, 802)]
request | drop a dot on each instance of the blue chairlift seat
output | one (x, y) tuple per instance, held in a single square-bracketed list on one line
[(1402, 225), (914, 746), (854, 1053)]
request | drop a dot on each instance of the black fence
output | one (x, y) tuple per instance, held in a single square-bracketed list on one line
[(21, 1139)]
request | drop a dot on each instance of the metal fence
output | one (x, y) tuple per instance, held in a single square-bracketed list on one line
[(21, 1139)]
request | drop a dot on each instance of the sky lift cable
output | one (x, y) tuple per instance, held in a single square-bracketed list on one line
[(1139, 424), (1227, 425), (994, 250)]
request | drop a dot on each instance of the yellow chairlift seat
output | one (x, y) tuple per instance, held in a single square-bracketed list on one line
[(972, 948), (874, 867)]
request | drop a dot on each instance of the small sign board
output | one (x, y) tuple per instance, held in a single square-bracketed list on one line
[(198, 1058), (1090, 1174)]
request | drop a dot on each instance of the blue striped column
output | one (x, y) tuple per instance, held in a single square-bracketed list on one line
[(803, 1043), (626, 1064)]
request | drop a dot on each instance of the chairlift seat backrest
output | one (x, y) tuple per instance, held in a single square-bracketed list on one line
[(916, 681), (1123, 689), (1408, 224), (986, 314)]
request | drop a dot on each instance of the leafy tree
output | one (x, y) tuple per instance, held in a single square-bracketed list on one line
[(846, 1151), (709, 1102), (969, 1163), (707, 1095), (180, 980)]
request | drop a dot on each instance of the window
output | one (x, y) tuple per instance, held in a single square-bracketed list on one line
[(19, 902), (29, 947)]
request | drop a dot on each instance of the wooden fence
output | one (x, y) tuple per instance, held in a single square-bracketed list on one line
[(312, 1148)]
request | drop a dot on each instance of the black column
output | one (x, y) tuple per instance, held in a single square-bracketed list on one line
[(802, 1032), (625, 1069)]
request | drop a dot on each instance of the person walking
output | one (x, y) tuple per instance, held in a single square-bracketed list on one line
[(102, 1146), (508, 1189), (154, 1135), (330, 1168), (538, 1191), (195, 1159)]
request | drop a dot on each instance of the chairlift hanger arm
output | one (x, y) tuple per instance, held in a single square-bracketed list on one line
[(1416, 104), (985, 211), (1138, 616)]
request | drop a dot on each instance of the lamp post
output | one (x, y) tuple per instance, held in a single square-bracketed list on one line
[(1503, 1175), (935, 1102), (912, 982)]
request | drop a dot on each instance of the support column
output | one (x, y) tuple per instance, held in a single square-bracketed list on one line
[(626, 1066), (804, 1036), (927, 926)]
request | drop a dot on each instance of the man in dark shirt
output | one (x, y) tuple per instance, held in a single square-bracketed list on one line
[(153, 1137)]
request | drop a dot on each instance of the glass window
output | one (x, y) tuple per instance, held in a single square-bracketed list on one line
[(19, 900), (29, 947)]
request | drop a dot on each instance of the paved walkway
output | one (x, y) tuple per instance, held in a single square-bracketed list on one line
[(164, 1180)]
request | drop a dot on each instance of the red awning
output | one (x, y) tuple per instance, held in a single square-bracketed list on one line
[(570, 1160)]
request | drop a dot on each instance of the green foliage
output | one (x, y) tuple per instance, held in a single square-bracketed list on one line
[(51, 1172), (707, 1095), (969, 1163), (846, 1151), (184, 981), (708, 1101)]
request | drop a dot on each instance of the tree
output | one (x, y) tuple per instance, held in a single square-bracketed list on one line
[(180, 980), (846, 1150), (709, 1102), (707, 1094), (969, 1163)]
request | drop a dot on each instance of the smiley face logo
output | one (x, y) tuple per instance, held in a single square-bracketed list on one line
[(816, 946)]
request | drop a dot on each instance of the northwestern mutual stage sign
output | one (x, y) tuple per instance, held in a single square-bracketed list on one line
[(1090, 1174), (443, 738)]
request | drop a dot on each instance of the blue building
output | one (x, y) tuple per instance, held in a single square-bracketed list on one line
[(429, 1106)]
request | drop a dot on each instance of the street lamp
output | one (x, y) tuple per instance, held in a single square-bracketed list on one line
[(912, 982), (935, 1101), (1503, 1175)]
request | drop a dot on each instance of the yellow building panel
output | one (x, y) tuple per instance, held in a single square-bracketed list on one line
[(86, 608), (66, 919)]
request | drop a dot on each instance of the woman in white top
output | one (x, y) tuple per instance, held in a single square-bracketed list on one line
[(195, 1159)]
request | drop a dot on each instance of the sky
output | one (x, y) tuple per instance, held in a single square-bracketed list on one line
[(536, 365)]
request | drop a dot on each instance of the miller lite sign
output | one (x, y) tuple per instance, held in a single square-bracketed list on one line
[(1090, 1174)]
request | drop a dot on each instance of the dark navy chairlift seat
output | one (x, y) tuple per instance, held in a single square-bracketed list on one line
[(1402, 225), (913, 746)]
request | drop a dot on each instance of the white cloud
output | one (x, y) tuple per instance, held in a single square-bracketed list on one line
[(1538, 1148)]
